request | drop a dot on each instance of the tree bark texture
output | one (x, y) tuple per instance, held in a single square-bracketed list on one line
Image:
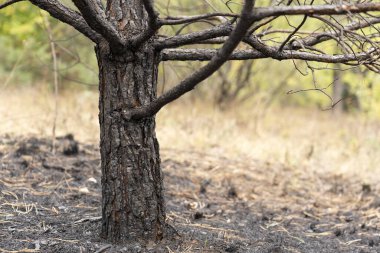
[(132, 204), (132, 191)]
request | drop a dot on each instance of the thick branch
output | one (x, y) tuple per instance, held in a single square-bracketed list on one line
[(191, 19), (95, 18), (260, 13), (208, 54), (195, 37), (68, 16), (190, 82)]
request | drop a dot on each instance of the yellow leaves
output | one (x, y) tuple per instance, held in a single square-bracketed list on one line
[(13, 9), (20, 21), (21, 29)]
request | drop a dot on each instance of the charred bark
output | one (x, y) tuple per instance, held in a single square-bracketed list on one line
[(132, 205)]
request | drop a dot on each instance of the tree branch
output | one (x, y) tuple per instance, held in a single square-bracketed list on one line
[(260, 13), (190, 82), (315, 39), (208, 54), (195, 37), (217, 36), (95, 18), (191, 19), (68, 16), (10, 2), (331, 9), (294, 32)]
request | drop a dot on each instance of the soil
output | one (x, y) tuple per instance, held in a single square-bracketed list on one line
[(50, 202)]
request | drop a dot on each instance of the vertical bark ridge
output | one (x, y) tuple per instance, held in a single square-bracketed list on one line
[(133, 205), (127, 15)]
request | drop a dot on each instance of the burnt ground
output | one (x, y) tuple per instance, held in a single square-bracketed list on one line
[(51, 203)]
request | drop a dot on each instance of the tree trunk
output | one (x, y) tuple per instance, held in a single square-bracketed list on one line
[(339, 90), (132, 198)]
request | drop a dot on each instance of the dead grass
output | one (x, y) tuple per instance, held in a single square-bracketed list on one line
[(302, 139)]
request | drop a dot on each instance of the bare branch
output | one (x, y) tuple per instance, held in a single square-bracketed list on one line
[(193, 38), (215, 32), (331, 9), (208, 54), (294, 32), (315, 39), (190, 82), (191, 19), (68, 16), (95, 18), (10, 2)]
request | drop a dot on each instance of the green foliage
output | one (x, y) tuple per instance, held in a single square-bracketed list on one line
[(26, 55), (20, 37), (21, 22)]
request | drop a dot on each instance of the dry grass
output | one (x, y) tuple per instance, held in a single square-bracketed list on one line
[(31, 111), (303, 139)]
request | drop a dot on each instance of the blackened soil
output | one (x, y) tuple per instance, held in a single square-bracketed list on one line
[(50, 202)]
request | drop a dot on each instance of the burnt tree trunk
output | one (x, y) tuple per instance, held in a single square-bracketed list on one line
[(132, 192), (132, 204)]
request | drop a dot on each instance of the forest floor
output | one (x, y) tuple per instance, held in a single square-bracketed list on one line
[(242, 180), (51, 203)]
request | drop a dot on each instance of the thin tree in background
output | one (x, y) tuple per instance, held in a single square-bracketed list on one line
[(129, 45)]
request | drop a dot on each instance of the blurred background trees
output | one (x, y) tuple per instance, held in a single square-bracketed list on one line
[(25, 53), (26, 62)]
